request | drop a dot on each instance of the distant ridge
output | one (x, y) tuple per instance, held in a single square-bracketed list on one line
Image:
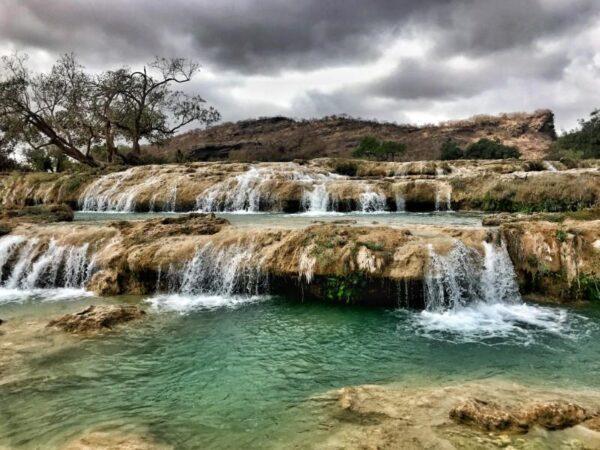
[(284, 139)]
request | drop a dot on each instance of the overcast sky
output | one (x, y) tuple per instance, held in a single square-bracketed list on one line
[(395, 60)]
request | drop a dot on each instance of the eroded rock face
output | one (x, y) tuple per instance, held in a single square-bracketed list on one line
[(342, 185), (485, 415), (490, 416), (554, 259), (96, 318)]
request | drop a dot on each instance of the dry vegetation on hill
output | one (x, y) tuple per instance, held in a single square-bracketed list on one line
[(285, 139)]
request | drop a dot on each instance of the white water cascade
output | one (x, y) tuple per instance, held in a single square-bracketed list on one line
[(224, 271), (371, 201), (550, 166), (316, 200), (29, 264), (462, 277), (214, 277), (443, 197), (470, 297)]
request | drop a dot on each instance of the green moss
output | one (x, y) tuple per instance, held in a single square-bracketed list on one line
[(561, 235), (587, 288), (344, 289), (373, 246)]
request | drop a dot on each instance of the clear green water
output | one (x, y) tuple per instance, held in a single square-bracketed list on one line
[(241, 373), (304, 219)]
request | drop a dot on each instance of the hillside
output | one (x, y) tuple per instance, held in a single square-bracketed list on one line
[(285, 139)]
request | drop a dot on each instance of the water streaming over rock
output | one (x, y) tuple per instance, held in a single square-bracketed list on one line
[(372, 201), (28, 263), (225, 271), (316, 200), (463, 277), (443, 197)]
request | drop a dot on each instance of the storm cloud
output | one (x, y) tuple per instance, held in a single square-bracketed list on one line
[(397, 60)]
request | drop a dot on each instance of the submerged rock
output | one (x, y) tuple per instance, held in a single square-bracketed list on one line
[(96, 318), (486, 415), (554, 415), (493, 417), (115, 440)]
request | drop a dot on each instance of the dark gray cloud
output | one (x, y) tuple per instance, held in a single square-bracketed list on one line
[(503, 43)]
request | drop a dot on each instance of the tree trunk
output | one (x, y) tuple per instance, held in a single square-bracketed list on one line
[(110, 142), (136, 146), (59, 142)]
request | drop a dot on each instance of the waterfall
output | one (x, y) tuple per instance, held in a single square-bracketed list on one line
[(171, 204), (463, 277), (35, 265), (212, 270), (549, 166), (317, 200), (8, 246), (243, 193), (443, 196), (371, 201), (400, 203), (255, 190)]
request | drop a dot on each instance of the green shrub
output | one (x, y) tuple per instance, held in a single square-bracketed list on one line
[(450, 151), (371, 147), (589, 288), (488, 149), (580, 143)]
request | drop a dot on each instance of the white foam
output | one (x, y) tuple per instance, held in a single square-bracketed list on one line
[(182, 303), (13, 295), (518, 321)]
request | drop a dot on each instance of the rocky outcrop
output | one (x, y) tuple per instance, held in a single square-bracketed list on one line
[(319, 185), (284, 139), (38, 214), (490, 416), (556, 259), (506, 415), (340, 262), (373, 265), (97, 318)]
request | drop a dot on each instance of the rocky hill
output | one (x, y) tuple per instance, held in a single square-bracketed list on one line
[(285, 139)]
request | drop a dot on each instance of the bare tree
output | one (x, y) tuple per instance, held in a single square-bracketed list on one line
[(48, 110), (149, 109)]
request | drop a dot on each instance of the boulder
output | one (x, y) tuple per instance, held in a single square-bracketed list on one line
[(97, 318), (485, 415), (554, 415), (493, 417)]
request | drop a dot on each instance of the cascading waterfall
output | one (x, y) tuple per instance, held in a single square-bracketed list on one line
[(549, 166), (254, 190), (29, 264), (243, 193), (224, 271), (214, 277), (316, 200), (462, 277), (443, 197), (171, 204), (400, 203), (371, 201), (470, 297)]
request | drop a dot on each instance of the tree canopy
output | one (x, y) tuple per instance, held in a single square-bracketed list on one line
[(582, 142), (69, 112), (481, 149), (371, 147)]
